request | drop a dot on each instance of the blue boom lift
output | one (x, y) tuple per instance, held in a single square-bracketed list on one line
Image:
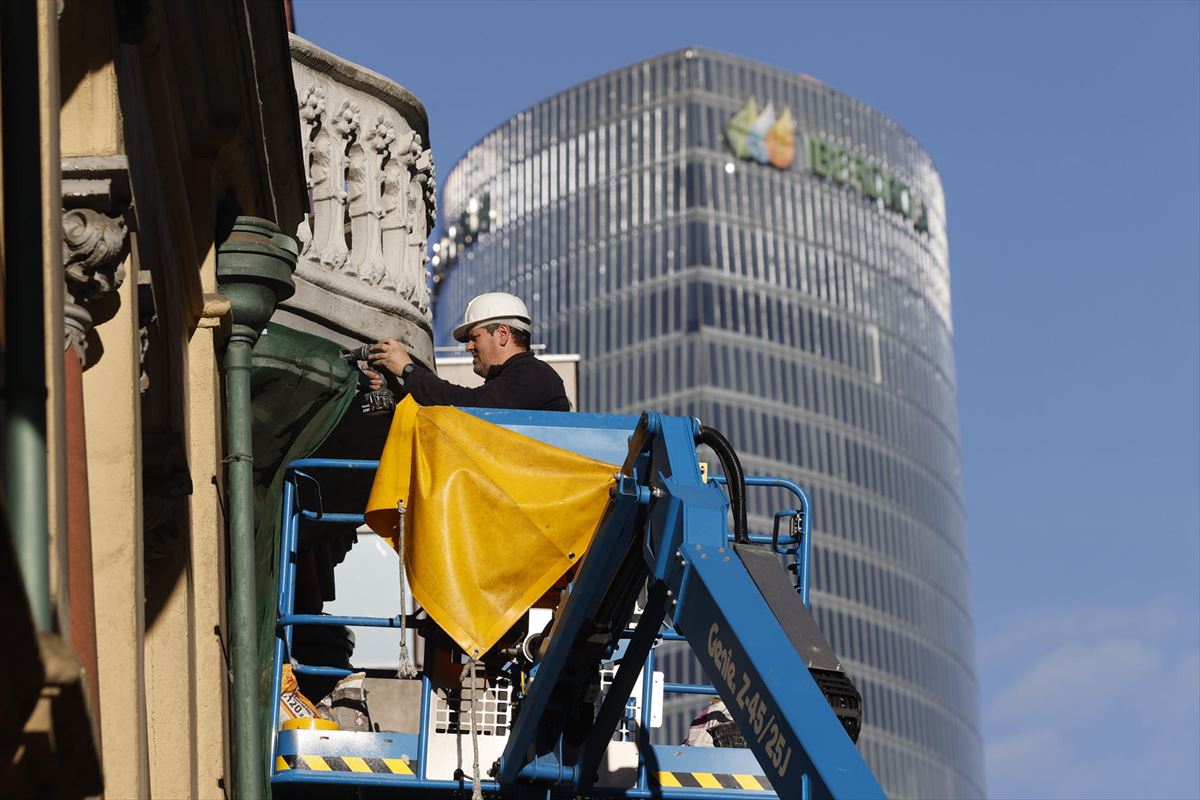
[(663, 546)]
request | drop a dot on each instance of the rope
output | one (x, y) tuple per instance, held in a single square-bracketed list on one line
[(468, 673), (406, 668)]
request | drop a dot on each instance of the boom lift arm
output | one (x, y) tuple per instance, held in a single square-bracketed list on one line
[(665, 531)]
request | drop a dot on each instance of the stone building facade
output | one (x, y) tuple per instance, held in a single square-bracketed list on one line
[(135, 135)]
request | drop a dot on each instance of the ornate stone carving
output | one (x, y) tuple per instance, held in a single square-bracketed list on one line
[(362, 268), (396, 229), (366, 207), (94, 250), (364, 174)]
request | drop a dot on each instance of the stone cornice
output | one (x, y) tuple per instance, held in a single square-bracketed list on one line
[(97, 182), (364, 80)]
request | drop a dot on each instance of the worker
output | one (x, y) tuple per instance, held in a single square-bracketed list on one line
[(496, 329)]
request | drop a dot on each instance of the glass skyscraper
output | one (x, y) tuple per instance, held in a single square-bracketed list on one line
[(723, 239)]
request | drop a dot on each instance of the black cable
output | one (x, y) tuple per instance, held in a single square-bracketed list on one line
[(734, 476)]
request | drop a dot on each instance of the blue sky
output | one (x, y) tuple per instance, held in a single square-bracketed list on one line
[(1068, 141)]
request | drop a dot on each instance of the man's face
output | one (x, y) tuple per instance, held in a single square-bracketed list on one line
[(486, 348)]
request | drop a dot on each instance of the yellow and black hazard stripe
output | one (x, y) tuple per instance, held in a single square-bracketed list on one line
[(386, 766), (710, 780)]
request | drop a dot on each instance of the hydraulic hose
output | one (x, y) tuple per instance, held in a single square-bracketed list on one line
[(734, 476)]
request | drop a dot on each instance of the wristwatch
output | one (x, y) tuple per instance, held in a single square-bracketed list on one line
[(404, 373)]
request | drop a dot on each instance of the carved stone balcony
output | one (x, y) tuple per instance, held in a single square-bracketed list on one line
[(361, 274)]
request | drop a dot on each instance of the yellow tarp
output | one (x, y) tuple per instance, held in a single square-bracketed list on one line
[(493, 517)]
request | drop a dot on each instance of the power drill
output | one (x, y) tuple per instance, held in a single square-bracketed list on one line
[(379, 401)]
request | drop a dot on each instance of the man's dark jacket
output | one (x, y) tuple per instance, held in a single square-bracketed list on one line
[(521, 382)]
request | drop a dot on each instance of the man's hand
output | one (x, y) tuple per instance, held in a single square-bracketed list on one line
[(390, 355), (375, 378)]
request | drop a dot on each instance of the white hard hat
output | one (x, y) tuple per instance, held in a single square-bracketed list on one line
[(493, 307)]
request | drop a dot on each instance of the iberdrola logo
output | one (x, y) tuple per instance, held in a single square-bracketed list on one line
[(763, 136)]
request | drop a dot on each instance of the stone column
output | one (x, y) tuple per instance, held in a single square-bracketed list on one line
[(205, 423), (113, 421)]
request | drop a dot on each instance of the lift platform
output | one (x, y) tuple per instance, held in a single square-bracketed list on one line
[(570, 716)]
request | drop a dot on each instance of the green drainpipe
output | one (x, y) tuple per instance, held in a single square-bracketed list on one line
[(254, 270), (25, 333)]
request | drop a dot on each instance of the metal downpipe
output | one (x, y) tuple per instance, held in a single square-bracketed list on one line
[(243, 601), (254, 270), (25, 358)]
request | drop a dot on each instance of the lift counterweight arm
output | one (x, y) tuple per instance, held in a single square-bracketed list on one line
[(764, 682), (752, 662)]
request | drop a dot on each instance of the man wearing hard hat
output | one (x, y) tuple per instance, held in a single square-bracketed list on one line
[(495, 329)]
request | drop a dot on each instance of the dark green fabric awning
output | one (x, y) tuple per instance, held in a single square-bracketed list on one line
[(300, 389)]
